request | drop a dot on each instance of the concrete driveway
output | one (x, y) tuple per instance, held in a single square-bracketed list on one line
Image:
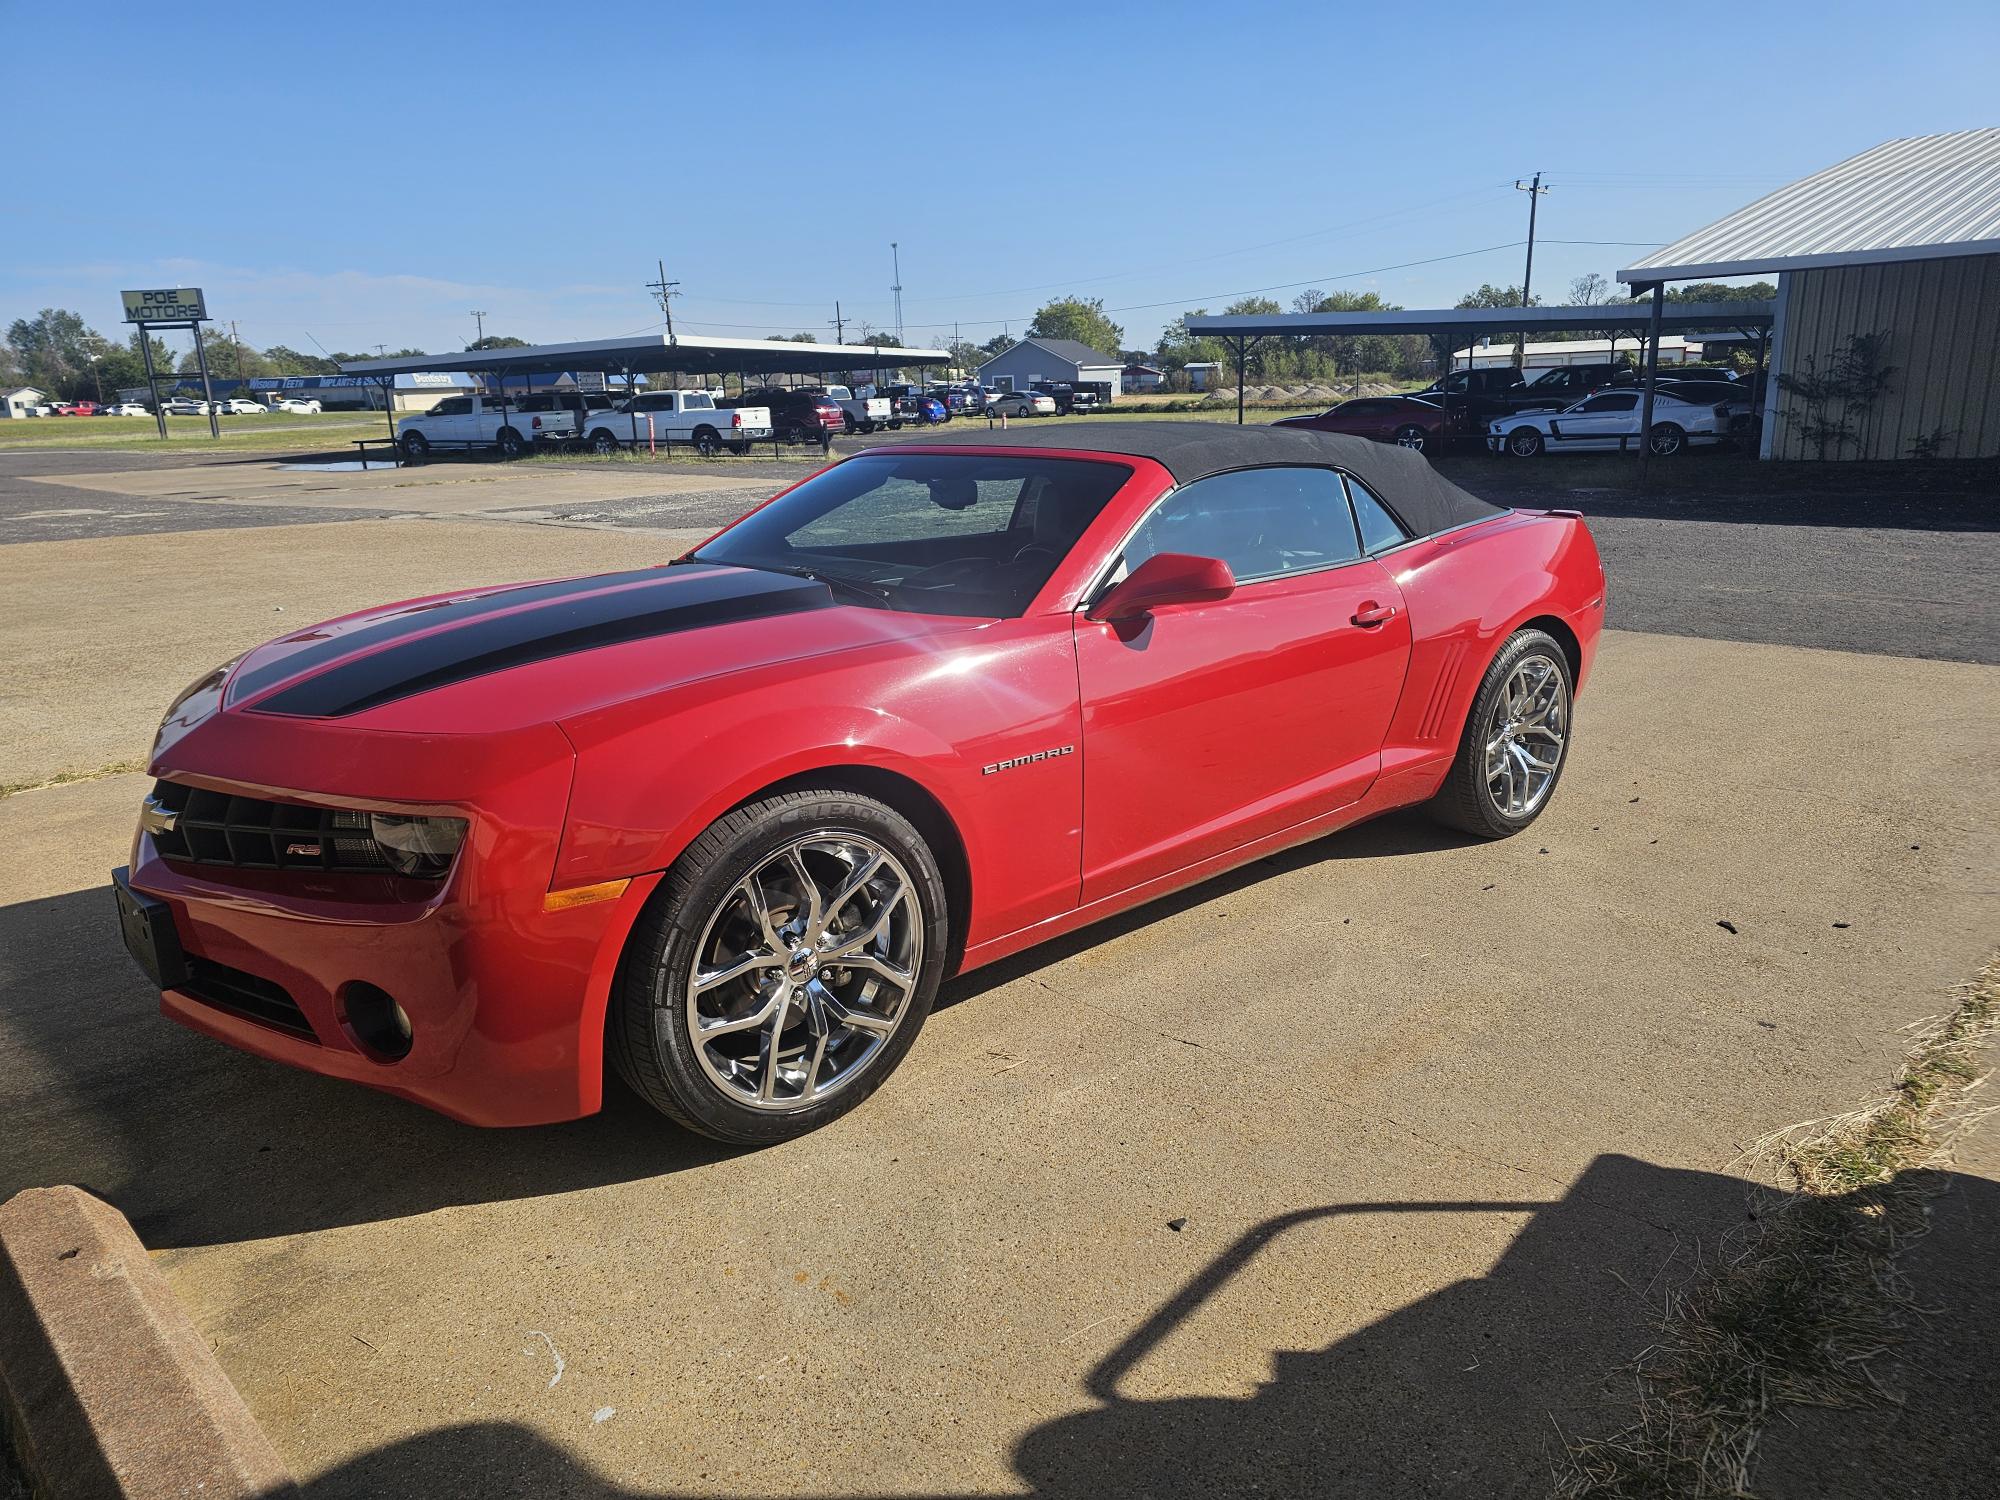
[(1358, 1171)]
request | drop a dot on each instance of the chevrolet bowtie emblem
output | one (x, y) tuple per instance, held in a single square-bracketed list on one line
[(155, 817)]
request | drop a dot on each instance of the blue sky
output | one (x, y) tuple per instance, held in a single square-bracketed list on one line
[(367, 173)]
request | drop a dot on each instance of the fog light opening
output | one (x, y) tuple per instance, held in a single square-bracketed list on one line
[(376, 1021)]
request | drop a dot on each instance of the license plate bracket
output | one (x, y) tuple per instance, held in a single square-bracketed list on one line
[(147, 925)]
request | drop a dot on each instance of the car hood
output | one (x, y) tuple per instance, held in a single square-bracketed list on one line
[(498, 659)]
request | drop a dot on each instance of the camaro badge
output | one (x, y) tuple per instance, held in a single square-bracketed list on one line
[(1026, 760)]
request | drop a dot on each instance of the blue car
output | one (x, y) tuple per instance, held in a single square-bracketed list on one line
[(927, 411)]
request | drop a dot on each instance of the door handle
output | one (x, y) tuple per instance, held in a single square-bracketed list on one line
[(1372, 614)]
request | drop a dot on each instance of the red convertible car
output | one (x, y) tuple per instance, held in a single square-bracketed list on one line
[(1407, 421), (725, 824)]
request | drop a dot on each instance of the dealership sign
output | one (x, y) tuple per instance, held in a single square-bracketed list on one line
[(181, 304)]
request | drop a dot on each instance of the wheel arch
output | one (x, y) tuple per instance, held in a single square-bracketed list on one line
[(1558, 627)]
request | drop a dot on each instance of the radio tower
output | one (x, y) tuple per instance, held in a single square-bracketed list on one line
[(897, 257)]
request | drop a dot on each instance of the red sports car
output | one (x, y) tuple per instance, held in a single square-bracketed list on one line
[(1407, 421), (727, 823)]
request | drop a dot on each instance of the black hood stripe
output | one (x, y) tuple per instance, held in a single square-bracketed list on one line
[(324, 652), (672, 600)]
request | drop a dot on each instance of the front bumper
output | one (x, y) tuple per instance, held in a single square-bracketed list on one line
[(505, 1000)]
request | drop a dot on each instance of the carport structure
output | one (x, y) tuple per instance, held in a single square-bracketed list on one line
[(654, 354), (1243, 332)]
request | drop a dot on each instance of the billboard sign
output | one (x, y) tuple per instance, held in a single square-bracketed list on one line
[(181, 304)]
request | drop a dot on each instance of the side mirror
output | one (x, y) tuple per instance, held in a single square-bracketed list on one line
[(1165, 578)]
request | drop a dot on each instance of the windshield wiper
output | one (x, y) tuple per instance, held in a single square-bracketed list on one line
[(835, 581)]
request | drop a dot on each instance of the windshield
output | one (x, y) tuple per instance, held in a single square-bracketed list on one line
[(935, 533)]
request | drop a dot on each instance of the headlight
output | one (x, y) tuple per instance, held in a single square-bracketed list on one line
[(417, 846)]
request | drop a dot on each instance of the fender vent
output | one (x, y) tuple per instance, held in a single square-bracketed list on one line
[(1436, 708)]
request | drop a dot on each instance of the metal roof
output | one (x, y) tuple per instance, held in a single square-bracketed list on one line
[(1072, 350), (1915, 199), (1459, 322), (656, 353)]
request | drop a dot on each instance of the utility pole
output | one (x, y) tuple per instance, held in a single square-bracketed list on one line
[(664, 292), (479, 322), (839, 325), (896, 254), (240, 381), (1534, 190), (381, 351)]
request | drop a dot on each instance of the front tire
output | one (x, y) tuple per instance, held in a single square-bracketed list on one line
[(603, 443), (707, 442), (416, 449), (1524, 442), (1516, 741), (734, 1013)]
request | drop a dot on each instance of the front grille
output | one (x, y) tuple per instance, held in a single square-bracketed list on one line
[(248, 833), (246, 995)]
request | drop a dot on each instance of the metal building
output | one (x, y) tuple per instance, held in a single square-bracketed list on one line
[(1890, 258)]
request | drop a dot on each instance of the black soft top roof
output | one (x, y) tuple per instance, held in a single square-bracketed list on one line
[(1422, 498)]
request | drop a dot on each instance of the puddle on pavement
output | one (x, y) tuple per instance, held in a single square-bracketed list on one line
[(340, 466)]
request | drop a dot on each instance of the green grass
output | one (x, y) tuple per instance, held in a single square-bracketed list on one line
[(278, 432)]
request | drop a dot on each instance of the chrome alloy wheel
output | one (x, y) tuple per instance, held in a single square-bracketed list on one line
[(1526, 736), (803, 972)]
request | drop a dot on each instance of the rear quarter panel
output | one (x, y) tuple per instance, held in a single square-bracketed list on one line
[(1467, 591)]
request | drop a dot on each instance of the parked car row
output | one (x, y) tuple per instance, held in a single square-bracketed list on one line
[(1591, 408), (175, 406)]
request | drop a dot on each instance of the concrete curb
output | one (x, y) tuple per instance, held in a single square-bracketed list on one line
[(106, 1389)]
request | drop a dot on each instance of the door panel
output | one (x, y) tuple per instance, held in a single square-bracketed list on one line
[(1207, 725)]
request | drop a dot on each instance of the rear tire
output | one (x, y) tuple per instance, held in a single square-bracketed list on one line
[(1668, 438), (750, 1086), (707, 442), (510, 443), (1515, 743)]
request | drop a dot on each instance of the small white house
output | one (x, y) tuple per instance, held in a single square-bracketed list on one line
[(1019, 366), (21, 401)]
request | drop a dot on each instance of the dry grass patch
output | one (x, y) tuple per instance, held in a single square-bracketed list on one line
[(1797, 1309)]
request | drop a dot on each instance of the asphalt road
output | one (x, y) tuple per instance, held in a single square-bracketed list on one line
[(1716, 550)]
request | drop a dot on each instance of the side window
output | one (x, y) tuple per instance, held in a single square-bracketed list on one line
[(1611, 403), (453, 406), (699, 402), (1379, 529), (1263, 522)]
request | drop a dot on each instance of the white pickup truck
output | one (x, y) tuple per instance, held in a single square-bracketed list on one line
[(482, 422), (864, 413), (678, 417)]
